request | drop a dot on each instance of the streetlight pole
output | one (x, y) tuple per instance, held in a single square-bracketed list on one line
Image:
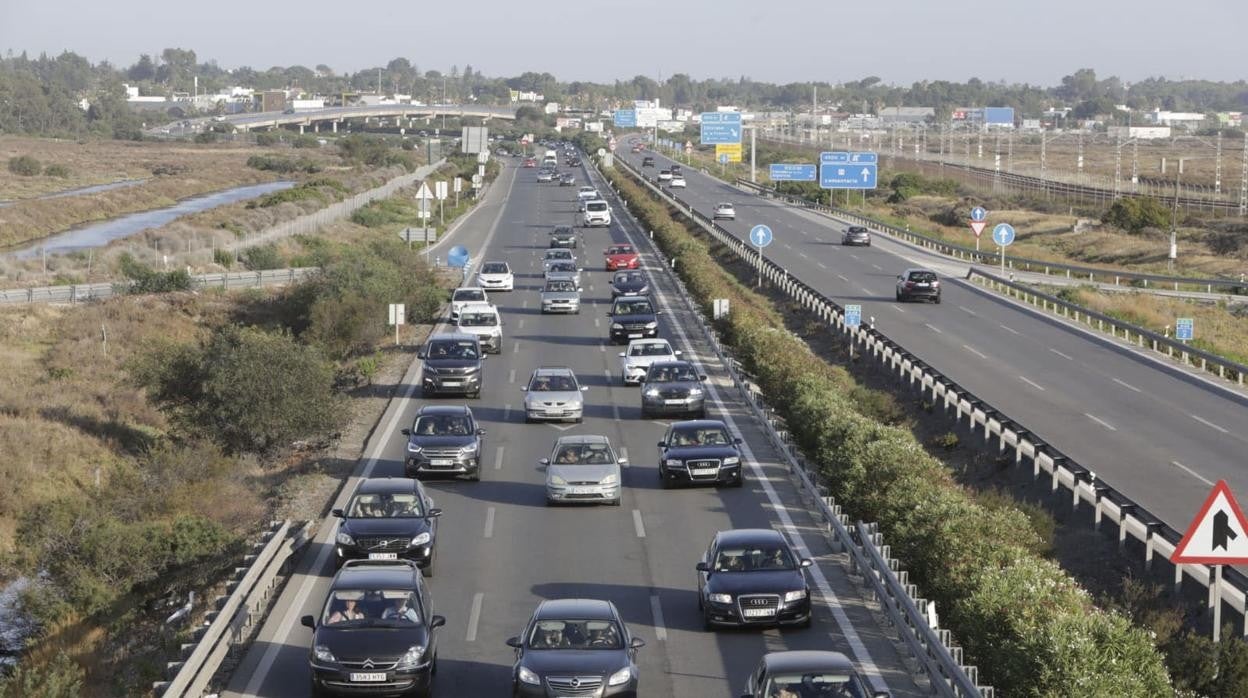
[(1174, 218)]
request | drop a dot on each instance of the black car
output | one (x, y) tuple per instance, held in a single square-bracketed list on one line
[(700, 452), (574, 162), (751, 576), (388, 518), (918, 283), (647, 161), (444, 439), (452, 364), (676, 171), (807, 673), (673, 387), (376, 634), (563, 236), (575, 647), (633, 318), (630, 283)]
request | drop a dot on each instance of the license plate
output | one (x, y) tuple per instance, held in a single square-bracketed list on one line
[(634, 335), (450, 384), (582, 490), (383, 556), (759, 612), (703, 471), (677, 401), (921, 285), (441, 462), (374, 676)]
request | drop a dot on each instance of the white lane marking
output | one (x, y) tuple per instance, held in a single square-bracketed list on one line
[(878, 267), (521, 324), (851, 254), (866, 290), (803, 232), (1193, 473), (802, 255), (898, 308), (506, 412), (1100, 421), (656, 610), (602, 348), (637, 525), (1208, 423), (1127, 385), (511, 377), (1068, 357), (597, 322), (1032, 383), (787, 246), (968, 311), (974, 351), (842, 277), (474, 617), (1010, 329), (489, 522), (515, 348), (525, 304), (591, 287), (624, 455), (821, 265), (933, 328), (498, 458)]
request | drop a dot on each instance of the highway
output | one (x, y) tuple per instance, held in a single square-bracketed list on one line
[(501, 550), (1155, 432)]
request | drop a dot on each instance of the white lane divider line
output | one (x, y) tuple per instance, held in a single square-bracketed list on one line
[(656, 610), (1127, 385), (1100, 421), (968, 311), (1193, 473), (521, 324), (637, 525), (624, 456), (515, 348), (506, 412), (498, 458), (787, 246), (878, 267), (597, 322), (821, 265), (591, 287), (1032, 383), (1209, 424), (866, 290), (525, 304), (898, 308), (1010, 329), (974, 351), (802, 255), (851, 254), (489, 522), (933, 328), (842, 277), (474, 617), (511, 377), (1068, 357)]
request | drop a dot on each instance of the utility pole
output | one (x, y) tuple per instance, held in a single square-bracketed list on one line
[(1217, 168), (753, 172), (1174, 218)]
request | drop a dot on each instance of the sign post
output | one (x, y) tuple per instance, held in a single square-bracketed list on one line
[(761, 236), (1184, 329), (1217, 536), (458, 187), (440, 192), (1003, 235), (853, 320), (979, 219), (398, 315)]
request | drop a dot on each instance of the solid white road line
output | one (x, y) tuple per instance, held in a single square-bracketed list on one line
[(597, 322), (933, 328), (1127, 385), (842, 277), (1010, 329), (968, 311), (511, 377), (624, 455), (821, 265), (878, 267), (1032, 383), (1068, 357), (489, 522), (656, 610), (1100, 421), (520, 326), (506, 412), (474, 617), (525, 304), (866, 291), (637, 525), (1208, 423), (898, 308), (515, 347), (498, 458), (1193, 473), (974, 351)]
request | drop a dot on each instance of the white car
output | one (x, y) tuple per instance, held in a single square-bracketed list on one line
[(636, 360), (464, 296), (725, 210), (587, 194), (482, 320), (677, 182), (665, 175), (597, 212), (496, 276)]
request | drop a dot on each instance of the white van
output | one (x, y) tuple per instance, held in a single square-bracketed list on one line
[(482, 320), (597, 212)]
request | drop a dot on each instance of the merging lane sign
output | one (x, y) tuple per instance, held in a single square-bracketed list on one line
[(1219, 533)]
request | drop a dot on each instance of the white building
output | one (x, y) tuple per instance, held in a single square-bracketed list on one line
[(1174, 118), (907, 115), (1140, 132)]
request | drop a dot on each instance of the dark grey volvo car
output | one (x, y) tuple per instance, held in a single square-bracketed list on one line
[(575, 647)]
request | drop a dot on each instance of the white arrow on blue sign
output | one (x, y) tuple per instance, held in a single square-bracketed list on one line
[(1003, 234), (1184, 329), (760, 235), (979, 213), (853, 315)]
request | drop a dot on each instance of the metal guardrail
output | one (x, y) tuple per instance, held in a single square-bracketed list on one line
[(1070, 271), (912, 617), (76, 293), (237, 615), (1132, 520), (1208, 361)]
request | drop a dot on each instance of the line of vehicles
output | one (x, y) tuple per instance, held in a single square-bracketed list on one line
[(377, 632)]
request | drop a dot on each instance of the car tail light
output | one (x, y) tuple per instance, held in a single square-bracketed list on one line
[(935, 284), (909, 284)]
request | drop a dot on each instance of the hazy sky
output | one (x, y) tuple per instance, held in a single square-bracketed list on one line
[(901, 41)]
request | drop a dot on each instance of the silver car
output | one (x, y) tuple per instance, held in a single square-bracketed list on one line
[(557, 254), (560, 294), (564, 270), (554, 393), (583, 469)]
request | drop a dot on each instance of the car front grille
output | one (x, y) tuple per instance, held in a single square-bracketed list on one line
[(370, 663), (635, 326), (383, 544), (574, 685), (693, 465), (673, 393), (759, 601), (440, 452)]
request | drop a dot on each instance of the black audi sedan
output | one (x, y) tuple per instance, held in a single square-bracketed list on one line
[(633, 318), (388, 518), (751, 576), (630, 283), (807, 673), (673, 387), (444, 439), (575, 647), (700, 452), (376, 634)]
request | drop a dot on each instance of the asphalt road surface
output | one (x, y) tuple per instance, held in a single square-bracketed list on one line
[(1153, 431), (501, 550)]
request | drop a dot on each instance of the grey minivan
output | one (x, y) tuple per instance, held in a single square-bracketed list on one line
[(452, 364)]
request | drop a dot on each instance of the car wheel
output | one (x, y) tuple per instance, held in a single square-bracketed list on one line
[(806, 623), (317, 691), (664, 480), (740, 480), (937, 300)]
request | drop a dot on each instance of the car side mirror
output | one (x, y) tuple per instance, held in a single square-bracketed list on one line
[(543, 461), (405, 432), (636, 643), (701, 378), (338, 513), (433, 513), (703, 567), (621, 355), (662, 444), (524, 388), (484, 356), (677, 352), (806, 563), (737, 441), (514, 642), (437, 622), (480, 431), (622, 461), (658, 312), (308, 622), (584, 388), (420, 353)]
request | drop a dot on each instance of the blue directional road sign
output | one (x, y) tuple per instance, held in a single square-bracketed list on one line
[(979, 213), (793, 173), (760, 235), (846, 170), (1003, 234), (853, 315), (723, 159), (626, 118), (849, 158), (721, 128), (1184, 329)]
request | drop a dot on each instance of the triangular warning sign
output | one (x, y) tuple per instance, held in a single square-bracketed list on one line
[(977, 227), (424, 194), (1219, 533)]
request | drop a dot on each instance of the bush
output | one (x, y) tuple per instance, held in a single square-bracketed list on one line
[(285, 196), (305, 141), (1134, 214), (267, 138), (60, 678), (261, 257), (206, 137), (144, 279), (56, 171), (224, 258), (25, 166)]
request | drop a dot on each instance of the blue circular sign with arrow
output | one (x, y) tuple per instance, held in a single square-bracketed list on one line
[(760, 235), (979, 213), (1003, 234)]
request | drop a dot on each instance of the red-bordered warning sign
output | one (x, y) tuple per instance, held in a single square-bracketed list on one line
[(1219, 533), (977, 227)]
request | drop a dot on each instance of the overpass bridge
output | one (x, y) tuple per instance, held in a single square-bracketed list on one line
[(332, 116)]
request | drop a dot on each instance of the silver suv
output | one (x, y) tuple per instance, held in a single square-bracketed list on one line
[(554, 393)]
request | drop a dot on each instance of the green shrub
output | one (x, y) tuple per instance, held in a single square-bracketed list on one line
[(267, 138), (1134, 214), (283, 165), (222, 257), (144, 279), (305, 141), (25, 166), (261, 257), (56, 170), (285, 196), (60, 678), (206, 137)]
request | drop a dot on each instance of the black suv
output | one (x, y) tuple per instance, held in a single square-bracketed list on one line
[(388, 518), (751, 576), (807, 672), (700, 452), (563, 236), (452, 365), (673, 387), (647, 161), (375, 635), (575, 647), (633, 317), (444, 439)]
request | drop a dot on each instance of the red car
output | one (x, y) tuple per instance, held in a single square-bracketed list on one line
[(622, 257), (530, 162)]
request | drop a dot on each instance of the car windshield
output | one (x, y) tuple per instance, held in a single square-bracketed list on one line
[(596, 206), (385, 505), (922, 276), (620, 249), (630, 277), (700, 436), (559, 254), (478, 319), (365, 607), (671, 374), (562, 230), (576, 635), (494, 268), (552, 383), (584, 454), (452, 349), (815, 685), (768, 557), (641, 307), (724, 206), (560, 286), (442, 425), (464, 294), (650, 349), (563, 267)]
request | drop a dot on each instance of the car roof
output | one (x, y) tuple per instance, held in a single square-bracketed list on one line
[(724, 203), (750, 536), (479, 308), (804, 661), (582, 439), (374, 485), (553, 371), (703, 424), (378, 576), (588, 609), (454, 336), (617, 245), (651, 340), (496, 261), (910, 269), (443, 409), (469, 288), (673, 363)]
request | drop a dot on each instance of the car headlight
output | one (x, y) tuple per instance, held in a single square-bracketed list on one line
[(556, 480), (792, 596), (322, 654), (345, 539), (411, 658), (620, 677), (652, 392), (695, 392), (413, 448), (527, 676), (467, 450), (732, 461), (721, 598), (422, 539), (609, 480), (652, 325), (673, 463), (616, 326)]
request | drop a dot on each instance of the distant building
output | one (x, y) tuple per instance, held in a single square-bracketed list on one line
[(270, 100), (907, 115), (1174, 118), (551, 108), (1232, 119), (1140, 132)]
